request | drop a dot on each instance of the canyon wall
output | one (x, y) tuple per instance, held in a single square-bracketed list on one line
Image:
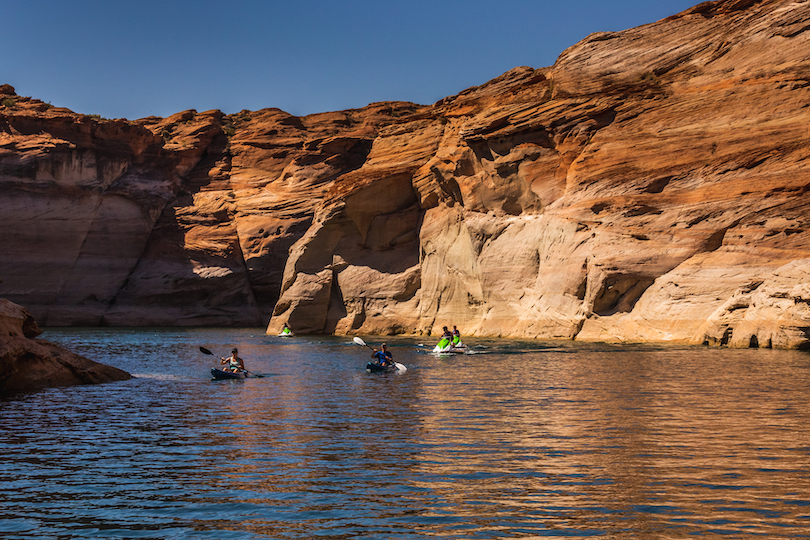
[(650, 186), (183, 221)]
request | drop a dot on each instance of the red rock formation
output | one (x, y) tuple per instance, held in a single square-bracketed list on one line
[(179, 221), (29, 364), (625, 193), (633, 191)]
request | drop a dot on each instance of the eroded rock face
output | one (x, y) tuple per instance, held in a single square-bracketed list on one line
[(626, 193), (183, 221), (771, 311), (16, 321)]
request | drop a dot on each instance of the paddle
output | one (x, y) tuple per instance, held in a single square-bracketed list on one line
[(359, 341), (206, 351)]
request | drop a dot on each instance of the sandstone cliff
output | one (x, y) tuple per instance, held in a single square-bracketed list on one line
[(642, 188), (185, 220), (648, 186)]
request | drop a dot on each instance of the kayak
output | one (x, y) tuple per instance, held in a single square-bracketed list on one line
[(220, 374), (447, 347), (374, 367)]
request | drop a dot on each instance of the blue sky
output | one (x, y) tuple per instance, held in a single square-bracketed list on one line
[(136, 59)]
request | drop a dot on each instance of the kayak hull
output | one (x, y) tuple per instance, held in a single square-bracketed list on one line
[(374, 367), (219, 374)]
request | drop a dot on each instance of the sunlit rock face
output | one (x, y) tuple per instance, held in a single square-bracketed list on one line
[(628, 193), (772, 312), (631, 192)]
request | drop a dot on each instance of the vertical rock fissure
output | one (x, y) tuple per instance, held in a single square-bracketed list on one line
[(145, 249), (336, 306), (249, 284), (72, 267)]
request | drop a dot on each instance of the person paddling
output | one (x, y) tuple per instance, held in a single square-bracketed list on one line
[(383, 357), (235, 364)]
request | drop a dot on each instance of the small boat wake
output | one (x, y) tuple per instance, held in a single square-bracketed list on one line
[(159, 376), (445, 348)]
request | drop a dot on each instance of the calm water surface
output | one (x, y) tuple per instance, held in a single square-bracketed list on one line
[(520, 440)]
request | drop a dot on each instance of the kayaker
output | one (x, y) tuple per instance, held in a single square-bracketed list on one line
[(235, 364), (456, 336), (383, 357)]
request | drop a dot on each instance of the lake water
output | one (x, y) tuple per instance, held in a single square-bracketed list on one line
[(519, 440)]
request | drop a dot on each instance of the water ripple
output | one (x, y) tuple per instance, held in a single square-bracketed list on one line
[(523, 440)]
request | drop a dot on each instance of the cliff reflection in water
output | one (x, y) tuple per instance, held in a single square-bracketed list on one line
[(515, 441), (654, 441)]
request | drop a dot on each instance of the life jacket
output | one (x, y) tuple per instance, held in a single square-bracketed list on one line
[(383, 358)]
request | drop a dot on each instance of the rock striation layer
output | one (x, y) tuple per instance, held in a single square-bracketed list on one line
[(184, 221), (640, 189), (650, 186)]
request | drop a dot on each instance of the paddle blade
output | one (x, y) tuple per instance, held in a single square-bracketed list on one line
[(360, 342), (206, 351)]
